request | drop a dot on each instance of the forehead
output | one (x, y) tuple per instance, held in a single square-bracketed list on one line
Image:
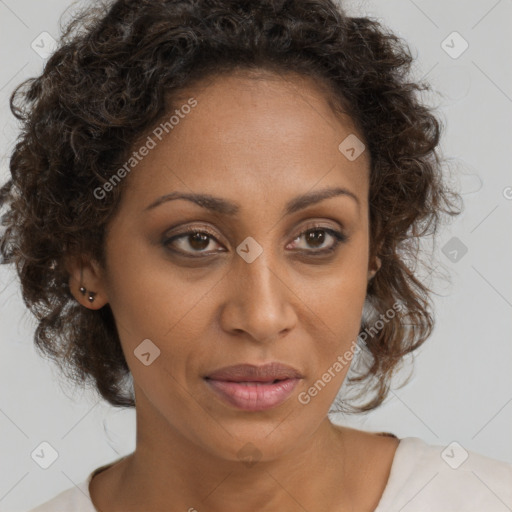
[(251, 136)]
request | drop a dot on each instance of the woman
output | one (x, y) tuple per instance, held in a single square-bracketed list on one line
[(218, 200)]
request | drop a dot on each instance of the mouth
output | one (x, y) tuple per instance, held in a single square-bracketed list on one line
[(248, 382), (269, 372), (253, 396), (254, 388)]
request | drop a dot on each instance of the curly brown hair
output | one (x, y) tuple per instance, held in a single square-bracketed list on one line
[(115, 74)]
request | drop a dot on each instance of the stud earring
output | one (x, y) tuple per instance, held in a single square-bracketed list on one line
[(83, 290)]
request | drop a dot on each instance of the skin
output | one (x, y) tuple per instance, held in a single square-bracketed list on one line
[(259, 143)]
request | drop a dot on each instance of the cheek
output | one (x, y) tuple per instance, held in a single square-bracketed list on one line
[(143, 289), (333, 310), (152, 300), (337, 296), (339, 317)]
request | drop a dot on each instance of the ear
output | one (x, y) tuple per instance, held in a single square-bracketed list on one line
[(373, 269), (87, 273)]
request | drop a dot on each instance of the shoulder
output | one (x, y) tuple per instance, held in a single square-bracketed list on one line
[(75, 499), (427, 477)]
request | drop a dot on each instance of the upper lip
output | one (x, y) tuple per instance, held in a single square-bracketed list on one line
[(253, 373)]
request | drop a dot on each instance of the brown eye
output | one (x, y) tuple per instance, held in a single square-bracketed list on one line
[(316, 238), (199, 241), (196, 241)]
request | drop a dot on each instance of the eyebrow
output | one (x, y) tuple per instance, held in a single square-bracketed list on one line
[(226, 207)]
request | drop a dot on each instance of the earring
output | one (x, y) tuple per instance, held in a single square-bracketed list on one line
[(82, 289)]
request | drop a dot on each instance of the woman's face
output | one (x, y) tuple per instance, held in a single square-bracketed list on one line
[(257, 288)]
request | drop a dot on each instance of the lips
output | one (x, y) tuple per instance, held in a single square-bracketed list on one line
[(254, 388), (251, 373)]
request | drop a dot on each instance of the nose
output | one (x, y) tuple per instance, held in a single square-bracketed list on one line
[(260, 302)]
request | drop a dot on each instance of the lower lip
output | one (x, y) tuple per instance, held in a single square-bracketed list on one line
[(254, 396)]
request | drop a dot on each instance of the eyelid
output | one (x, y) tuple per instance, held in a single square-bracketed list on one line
[(197, 228), (194, 229), (317, 225)]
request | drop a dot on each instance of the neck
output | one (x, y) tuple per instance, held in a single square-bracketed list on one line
[(168, 468)]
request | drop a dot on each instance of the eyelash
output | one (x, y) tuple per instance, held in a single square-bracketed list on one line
[(338, 236)]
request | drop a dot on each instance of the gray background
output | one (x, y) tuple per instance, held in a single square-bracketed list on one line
[(461, 388)]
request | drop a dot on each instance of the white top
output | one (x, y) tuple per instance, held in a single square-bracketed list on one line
[(423, 478)]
